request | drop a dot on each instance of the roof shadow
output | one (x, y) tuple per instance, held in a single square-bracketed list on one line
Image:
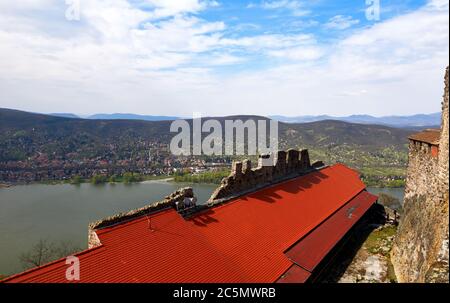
[(270, 195), (334, 266), (204, 218)]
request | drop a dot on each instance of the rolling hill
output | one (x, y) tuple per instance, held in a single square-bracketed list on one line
[(320, 133), (363, 146)]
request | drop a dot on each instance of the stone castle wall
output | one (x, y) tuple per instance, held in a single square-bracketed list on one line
[(421, 172), (244, 178), (420, 251), (443, 144)]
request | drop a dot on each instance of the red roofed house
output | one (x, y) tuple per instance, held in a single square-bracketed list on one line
[(268, 224)]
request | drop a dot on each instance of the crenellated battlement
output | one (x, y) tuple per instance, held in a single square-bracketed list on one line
[(243, 178)]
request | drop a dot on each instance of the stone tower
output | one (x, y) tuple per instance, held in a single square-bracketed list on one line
[(420, 251)]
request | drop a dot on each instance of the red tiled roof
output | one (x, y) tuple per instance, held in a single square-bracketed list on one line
[(243, 240), (309, 251)]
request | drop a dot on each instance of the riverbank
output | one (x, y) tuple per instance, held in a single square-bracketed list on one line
[(118, 180), (209, 177), (158, 180)]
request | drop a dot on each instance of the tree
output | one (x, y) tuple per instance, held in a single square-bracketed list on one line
[(396, 183), (113, 179), (76, 180), (127, 177), (40, 254), (214, 177), (98, 179), (44, 252), (131, 177)]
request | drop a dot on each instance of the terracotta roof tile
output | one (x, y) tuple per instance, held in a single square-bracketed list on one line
[(243, 240)]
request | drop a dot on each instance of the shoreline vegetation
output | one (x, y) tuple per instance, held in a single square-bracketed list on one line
[(381, 178), (373, 175), (127, 178), (399, 183), (381, 181), (210, 177)]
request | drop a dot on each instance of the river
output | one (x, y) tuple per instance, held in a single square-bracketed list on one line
[(29, 213)]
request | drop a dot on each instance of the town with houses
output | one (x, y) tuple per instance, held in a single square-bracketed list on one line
[(159, 162)]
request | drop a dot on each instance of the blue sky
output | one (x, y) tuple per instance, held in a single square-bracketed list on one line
[(268, 57), (257, 18)]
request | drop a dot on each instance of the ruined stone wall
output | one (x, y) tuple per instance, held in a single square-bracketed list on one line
[(168, 202), (244, 178), (421, 172), (443, 144), (420, 251)]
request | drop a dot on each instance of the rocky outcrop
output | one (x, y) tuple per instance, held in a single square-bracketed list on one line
[(244, 179), (420, 251), (169, 202)]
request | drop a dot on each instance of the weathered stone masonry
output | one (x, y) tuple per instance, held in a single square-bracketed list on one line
[(244, 178), (421, 248)]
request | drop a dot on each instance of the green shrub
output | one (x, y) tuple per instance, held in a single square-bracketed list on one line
[(76, 180), (131, 178), (213, 177), (99, 179)]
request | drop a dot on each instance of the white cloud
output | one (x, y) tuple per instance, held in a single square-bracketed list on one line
[(438, 4), (341, 22), (224, 59), (304, 24), (296, 7), (165, 8), (24, 4), (120, 58), (352, 93), (395, 66), (290, 4), (111, 35), (299, 53), (269, 41)]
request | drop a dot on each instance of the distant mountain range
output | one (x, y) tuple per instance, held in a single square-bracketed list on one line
[(117, 117), (420, 120), (413, 121)]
